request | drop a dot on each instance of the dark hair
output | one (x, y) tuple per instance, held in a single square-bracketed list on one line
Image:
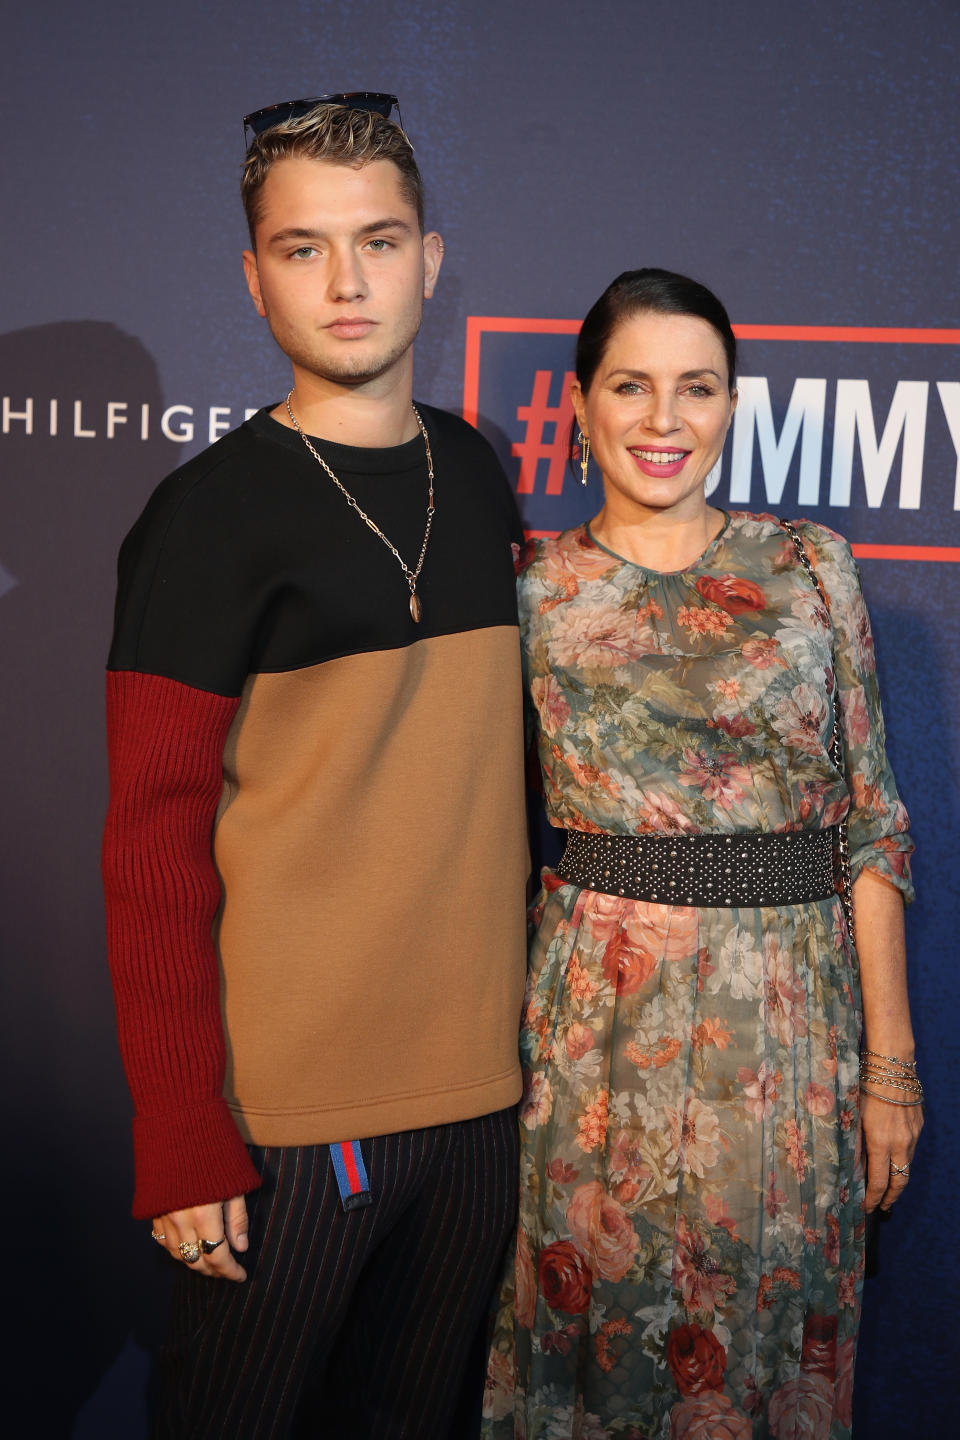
[(335, 133), (661, 292)]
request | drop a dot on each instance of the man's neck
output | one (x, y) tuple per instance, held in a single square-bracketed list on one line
[(374, 415)]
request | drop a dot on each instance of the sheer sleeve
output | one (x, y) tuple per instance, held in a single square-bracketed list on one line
[(878, 821)]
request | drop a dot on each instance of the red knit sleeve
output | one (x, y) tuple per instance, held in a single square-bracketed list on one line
[(165, 742)]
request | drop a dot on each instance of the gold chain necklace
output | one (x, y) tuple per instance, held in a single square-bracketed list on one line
[(412, 576)]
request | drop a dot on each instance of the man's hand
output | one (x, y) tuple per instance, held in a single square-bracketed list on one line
[(226, 1222)]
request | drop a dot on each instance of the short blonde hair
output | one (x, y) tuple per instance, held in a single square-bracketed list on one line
[(334, 133)]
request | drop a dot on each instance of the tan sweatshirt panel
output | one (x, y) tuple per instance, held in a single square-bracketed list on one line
[(371, 840)]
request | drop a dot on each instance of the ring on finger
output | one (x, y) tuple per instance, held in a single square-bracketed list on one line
[(208, 1246), (189, 1251), (903, 1170), (158, 1235)]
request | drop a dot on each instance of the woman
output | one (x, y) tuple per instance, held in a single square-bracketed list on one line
[(690, 1250)]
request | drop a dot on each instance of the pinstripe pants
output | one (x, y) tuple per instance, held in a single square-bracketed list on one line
[(352, 1326)]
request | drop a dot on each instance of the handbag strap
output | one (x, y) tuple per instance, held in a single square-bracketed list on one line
[(836, 739)]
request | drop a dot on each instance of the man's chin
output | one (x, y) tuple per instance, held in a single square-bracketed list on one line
[(360, 371), (352, 368)]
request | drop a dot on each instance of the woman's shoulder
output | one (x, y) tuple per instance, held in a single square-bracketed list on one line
[(573, 553), (819, 540)]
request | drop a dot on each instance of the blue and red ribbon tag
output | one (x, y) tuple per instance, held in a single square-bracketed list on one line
[(351, 1174)]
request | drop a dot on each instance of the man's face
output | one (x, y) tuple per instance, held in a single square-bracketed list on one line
[(341, 269)]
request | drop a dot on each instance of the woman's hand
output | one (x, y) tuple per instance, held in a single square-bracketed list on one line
[(214, 1230), (890, 1131), (890, 1134)]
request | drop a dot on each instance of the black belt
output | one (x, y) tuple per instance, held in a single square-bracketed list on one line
[(709, 870)]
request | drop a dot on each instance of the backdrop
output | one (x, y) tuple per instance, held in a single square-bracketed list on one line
[(803, 160)]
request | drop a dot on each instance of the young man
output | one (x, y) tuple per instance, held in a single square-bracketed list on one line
[(315, 852)]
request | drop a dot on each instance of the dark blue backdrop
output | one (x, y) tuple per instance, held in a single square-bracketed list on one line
[(804, 161)]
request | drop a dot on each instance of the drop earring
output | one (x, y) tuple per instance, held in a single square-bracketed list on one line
[(584, 455)]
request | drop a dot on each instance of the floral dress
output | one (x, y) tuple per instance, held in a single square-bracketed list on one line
[(690, 1251)]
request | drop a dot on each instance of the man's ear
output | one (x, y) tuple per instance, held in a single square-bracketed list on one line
[(432, 260), (252, 272)]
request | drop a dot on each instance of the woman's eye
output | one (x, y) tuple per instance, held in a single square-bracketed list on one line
[(628, 387), (699, 389)]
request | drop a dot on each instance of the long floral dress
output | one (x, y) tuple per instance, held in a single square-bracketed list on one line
[(690, 1250)]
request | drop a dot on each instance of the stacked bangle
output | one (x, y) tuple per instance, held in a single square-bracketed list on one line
[(890, 1072)]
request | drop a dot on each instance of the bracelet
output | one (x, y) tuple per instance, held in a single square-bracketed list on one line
[(888, 1099), (893, 1059), (875, 1069), (913, 1088), (885, 1070)]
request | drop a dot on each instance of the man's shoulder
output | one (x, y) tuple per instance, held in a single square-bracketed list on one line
[(239, 451), (206, 488)]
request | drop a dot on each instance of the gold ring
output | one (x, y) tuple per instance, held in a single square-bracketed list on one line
[(189, 1251)]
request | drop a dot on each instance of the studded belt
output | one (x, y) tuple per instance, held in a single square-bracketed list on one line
[(708, 870)]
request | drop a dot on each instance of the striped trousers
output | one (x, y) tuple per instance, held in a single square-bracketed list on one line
[(353, 1326)]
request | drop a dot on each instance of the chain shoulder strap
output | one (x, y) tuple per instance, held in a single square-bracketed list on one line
[(842, 856)]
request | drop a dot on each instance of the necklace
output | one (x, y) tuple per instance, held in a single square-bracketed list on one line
[(412, 576)]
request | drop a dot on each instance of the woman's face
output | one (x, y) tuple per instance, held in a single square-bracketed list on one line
[(656, 413)]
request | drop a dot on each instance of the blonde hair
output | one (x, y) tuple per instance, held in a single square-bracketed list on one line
[(334, 133)]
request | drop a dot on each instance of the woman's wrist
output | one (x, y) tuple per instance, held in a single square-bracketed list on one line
[(895, 1041), (904, 1053), (890, 1077)]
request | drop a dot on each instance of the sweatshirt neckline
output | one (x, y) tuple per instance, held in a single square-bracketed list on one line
[(351, 459)]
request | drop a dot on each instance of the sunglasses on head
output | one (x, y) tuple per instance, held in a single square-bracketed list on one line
[(259, 120)]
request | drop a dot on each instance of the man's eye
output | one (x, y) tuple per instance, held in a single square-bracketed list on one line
[(379, 245), (304, 252)]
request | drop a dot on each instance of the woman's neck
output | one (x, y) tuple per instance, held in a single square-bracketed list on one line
[(658, 539)]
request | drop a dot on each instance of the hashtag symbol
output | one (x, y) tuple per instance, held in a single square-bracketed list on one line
[(533, 448)]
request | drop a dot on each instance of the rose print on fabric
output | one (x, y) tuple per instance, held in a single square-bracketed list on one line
[(708, 1417), (565, 1278), (602, 1231), (696, 1358), (731, 592)]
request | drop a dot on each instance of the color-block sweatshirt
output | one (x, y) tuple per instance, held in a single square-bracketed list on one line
[(315, 852)]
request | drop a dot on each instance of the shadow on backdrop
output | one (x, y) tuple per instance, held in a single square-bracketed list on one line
[(90, 1282)]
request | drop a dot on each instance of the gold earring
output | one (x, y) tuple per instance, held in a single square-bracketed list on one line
[(584, 455)]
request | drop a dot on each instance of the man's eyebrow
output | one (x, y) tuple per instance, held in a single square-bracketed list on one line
[(308, 232), (391, 222)]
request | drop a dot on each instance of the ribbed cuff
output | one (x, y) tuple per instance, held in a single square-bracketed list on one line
[(189, 1157)]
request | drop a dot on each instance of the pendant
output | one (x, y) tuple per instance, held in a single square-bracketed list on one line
[(416, 609)]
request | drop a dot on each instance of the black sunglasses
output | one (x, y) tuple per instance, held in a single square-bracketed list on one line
[(259, 120)]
